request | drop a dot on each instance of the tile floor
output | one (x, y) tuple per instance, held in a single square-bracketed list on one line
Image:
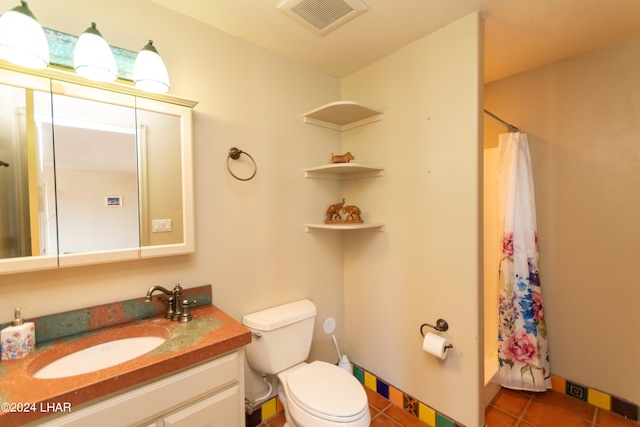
[(383, 414), (508, 409), (549, 409)]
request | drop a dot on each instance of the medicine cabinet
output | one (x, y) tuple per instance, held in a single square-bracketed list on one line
[(91, 173)]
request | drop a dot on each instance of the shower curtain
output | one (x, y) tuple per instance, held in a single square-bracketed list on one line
[(522, 336)]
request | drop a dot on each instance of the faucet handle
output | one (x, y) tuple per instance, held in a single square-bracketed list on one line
[(185, 315), (170, 312)]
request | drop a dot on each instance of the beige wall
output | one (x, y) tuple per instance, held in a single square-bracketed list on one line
[(581, 116), (491, 261), (250, 243), (426, 263)]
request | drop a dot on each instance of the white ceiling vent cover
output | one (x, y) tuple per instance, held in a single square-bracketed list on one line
[(322, 16)]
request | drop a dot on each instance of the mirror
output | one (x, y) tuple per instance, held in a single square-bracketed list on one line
[(166, 177), (160, 178), (28, 234), (94, 175), (95, 156)]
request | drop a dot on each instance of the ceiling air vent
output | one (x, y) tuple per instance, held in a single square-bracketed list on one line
[(322, 16)]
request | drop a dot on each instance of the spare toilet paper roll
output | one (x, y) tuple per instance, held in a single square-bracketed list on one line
[(435, 345)]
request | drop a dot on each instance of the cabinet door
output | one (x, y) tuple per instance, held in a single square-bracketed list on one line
[(28, 239), (219, 410), (152, 400)]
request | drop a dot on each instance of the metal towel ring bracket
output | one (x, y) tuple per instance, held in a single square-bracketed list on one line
[(234, 153)]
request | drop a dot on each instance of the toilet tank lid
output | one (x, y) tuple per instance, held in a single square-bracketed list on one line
[(282, 315)]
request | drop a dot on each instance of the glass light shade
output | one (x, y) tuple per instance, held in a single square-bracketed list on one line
[(92, 57), (149, 71), (22, 39)]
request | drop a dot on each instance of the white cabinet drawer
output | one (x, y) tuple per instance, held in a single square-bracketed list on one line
[(219, 410)]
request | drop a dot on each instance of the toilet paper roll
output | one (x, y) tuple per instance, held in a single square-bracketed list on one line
[(436, 345)]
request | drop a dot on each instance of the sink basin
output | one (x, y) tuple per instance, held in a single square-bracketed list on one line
[(89, 356)]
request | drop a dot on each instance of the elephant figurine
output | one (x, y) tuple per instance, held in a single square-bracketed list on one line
[(353, 213), (333, 213)]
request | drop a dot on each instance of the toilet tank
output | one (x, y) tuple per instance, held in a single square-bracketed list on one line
[(281, 336)]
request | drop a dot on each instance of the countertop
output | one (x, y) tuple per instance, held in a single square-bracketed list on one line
[(211, 333)]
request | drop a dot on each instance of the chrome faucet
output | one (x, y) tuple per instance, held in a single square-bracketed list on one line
[(177, 308)]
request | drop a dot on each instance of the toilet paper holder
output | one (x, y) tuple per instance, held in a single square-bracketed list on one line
[(440, 326)]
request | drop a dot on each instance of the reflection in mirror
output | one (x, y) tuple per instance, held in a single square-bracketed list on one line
[(27, 211), (161, 183), (96, 175)]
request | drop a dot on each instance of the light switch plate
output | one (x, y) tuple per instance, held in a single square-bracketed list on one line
[(161, 225)]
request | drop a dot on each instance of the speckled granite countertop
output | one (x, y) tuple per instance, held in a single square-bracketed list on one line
[(209, 334)]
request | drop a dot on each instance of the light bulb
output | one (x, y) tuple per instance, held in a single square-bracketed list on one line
[(149, 71), (93, 58), (22, 39)]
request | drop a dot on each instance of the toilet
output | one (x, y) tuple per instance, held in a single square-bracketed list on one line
[(316, 394)]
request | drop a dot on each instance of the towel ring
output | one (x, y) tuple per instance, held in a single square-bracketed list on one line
[(234, 153)]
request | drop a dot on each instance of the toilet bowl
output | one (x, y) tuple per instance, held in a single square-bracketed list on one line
[(320, 394), (316, 394)]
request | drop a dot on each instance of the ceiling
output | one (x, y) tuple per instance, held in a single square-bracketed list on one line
[(519, 34)]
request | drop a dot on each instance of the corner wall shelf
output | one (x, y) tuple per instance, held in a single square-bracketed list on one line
[(343, 171), (342, 115), (370, 225)]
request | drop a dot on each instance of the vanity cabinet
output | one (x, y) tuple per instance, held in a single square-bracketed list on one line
[(209, 394), (342, 116)]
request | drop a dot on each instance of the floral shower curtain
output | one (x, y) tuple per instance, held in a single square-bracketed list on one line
[(522, 352)]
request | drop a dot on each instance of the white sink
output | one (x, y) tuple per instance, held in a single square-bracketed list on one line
[(99, 356)]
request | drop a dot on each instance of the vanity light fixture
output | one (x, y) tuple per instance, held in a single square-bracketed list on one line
[(22, 39), (149, 71), (93, 58)]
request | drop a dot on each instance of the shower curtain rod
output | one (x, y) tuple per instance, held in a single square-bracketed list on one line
[(509, 126)]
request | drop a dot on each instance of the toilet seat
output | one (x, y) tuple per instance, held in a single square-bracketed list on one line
[(327, 392)]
